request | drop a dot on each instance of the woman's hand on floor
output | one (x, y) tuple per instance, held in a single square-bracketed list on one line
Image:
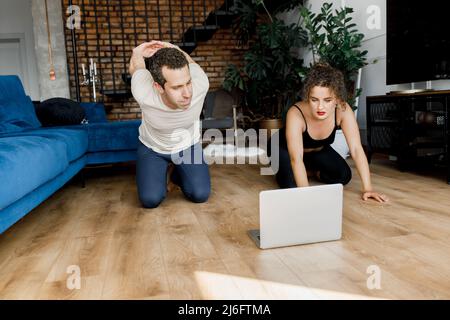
[(375, 195)]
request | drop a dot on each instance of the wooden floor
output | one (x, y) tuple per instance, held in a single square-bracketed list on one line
[(201, 251)]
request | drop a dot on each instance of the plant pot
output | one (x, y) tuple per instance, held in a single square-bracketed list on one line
[(273, 125), (340, 144)]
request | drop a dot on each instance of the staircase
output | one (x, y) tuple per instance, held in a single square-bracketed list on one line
[(219, 18), (200, 31)]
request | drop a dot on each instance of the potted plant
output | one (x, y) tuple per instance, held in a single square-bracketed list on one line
[(334, 39), (270, 78)]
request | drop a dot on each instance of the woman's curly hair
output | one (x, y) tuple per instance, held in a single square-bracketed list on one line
[(323, 75)]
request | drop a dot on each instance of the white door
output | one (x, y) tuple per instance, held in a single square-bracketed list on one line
[(12, 59)]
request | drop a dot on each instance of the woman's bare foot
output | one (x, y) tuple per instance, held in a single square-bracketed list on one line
[(318, 175), (310, 173), (313, 174)]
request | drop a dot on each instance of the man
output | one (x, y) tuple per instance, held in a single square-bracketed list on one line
[(171, 97)]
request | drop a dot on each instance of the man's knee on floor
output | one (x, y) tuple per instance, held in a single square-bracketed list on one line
[(199, 194), (151, 200)]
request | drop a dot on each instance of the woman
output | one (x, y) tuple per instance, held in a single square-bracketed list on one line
[(305, 142)]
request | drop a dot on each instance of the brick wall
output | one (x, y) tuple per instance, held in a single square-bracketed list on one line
[(112, 50)]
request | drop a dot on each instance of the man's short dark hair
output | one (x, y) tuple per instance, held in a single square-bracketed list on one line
[(172, 58)]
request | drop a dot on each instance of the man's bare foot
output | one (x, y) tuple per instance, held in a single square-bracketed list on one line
[(170, 185)]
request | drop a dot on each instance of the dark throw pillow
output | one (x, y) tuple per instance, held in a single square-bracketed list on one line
[(60, 112)]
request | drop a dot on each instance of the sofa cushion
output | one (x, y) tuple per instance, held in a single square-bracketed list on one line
[(76, 140), (28, 162), (113, 136), (11, 88), (95, 112), (16, 108), (109, 136), (17, 115)]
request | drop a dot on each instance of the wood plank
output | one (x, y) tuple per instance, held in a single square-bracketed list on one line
[(183, 250)]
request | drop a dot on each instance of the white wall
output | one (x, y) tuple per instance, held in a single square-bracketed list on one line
[(374, 75), (16, 22)]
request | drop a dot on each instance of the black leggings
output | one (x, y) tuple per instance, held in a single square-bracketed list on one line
[(331, 166)]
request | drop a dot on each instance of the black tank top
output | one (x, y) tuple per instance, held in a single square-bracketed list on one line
[(308, 142)]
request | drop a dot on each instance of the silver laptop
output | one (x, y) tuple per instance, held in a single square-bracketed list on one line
[(296, 216)]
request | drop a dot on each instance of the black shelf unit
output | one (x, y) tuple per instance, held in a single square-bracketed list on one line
[(412, 127)]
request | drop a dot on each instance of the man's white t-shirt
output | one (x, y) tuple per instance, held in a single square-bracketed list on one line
[(163, 129)]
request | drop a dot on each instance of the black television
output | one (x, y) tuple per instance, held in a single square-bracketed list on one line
[(418, 41)]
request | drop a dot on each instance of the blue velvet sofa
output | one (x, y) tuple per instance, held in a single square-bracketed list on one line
[(35, 161)]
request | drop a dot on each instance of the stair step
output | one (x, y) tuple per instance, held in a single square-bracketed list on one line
[(186, 46), (221, 17), (200, 33), (227, 5), (206, 27), (118, 93), (223, 13)]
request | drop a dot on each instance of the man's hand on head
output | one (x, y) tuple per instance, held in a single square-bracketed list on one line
[(147, 49), (170, 45), (144, 50), (164, 44)]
